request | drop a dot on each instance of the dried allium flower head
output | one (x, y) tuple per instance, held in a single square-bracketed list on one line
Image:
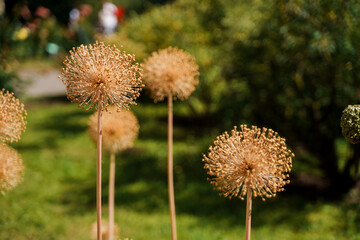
[(98, 72), (171, 71), (11, 168), (350, 123), (119, 129), (255, 159), (12, 117), (104, 230)]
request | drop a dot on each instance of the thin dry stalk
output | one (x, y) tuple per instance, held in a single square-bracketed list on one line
[(111, 196), (170, 169), (248, 214), (171, 73), (98, 180)]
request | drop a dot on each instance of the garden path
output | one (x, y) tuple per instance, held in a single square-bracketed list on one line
[(41, 82)]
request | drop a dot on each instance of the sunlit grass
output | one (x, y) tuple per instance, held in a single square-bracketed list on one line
[(57, 198)]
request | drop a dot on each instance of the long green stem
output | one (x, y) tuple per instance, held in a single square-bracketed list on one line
[(98, 175), (248, 214), (170, 169), (111, 196)]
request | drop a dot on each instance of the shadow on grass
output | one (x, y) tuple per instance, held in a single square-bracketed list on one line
[(142, 186), (65, 124), (141, 175), (136, 179)]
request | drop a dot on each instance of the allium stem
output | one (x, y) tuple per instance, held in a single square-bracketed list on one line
[(170, 168), (98, 179), (248, 214), (111, 195)]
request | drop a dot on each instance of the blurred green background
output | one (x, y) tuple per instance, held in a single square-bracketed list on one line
[(288, 65)]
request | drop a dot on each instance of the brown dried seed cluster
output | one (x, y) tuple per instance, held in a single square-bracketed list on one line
[(119, 129), (12, 117), (104, 230), (97, 72), (255, 159), (170, 71), (11, 168)]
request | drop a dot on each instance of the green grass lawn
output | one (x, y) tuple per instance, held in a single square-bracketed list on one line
[(57, 198)]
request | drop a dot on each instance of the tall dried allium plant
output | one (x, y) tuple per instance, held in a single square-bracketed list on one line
[(11, 168), (171, 73), (252, 162), (12, 124), (120, 129), (12, 117), (97, 76)]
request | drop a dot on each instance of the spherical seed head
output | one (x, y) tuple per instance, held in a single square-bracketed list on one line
[(255, 159), (12, 117), (119, 129), (170, 71), (350, 123), (11, 168), (97, 72), (104, 230)]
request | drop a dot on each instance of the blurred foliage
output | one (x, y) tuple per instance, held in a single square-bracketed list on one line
[(122, 41), (61, 10), (289, 65), (24, 35), (19, 42), (190, 26), (300, 70), (8, 76)]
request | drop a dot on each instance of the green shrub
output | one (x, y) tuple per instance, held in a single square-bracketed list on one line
[(288, 65)]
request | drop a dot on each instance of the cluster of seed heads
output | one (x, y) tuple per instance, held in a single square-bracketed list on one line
[(96, 72), (119, 129), (250, 159), (350, 123), (12, 125), (170, 71), (11, 168), (12, 117)]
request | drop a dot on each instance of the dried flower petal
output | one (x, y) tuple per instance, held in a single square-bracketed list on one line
[(250, 158), (98, 72), (171, 71), (119, 129), (12, 117), (11, 168)]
